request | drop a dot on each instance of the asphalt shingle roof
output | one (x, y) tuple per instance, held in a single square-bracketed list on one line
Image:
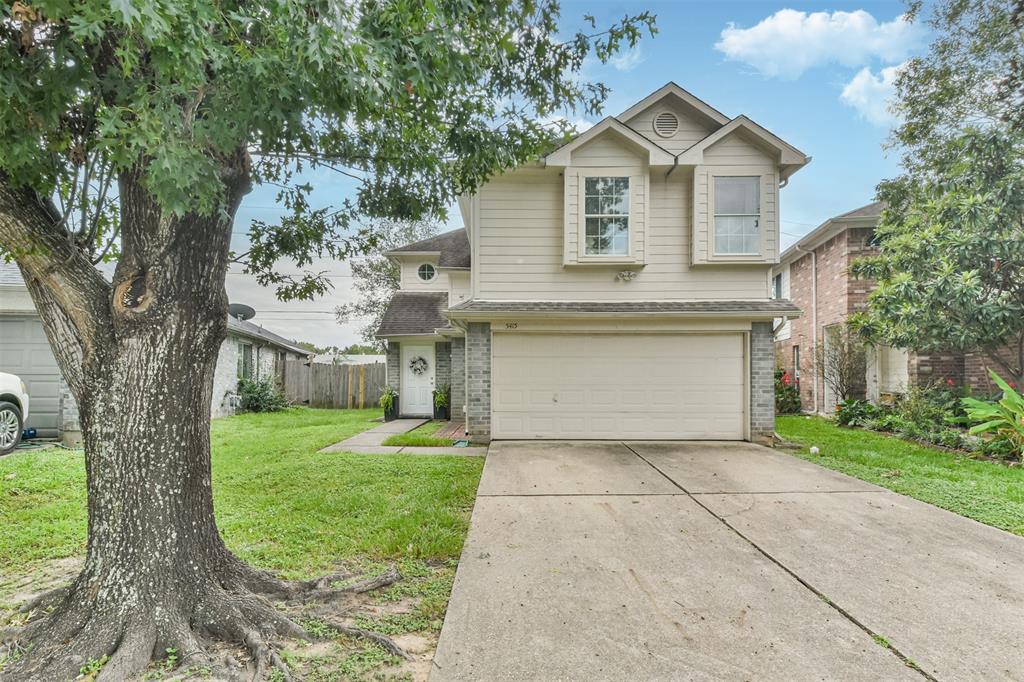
[(413, 312), (453, 247), (869, 211), (774, 306)]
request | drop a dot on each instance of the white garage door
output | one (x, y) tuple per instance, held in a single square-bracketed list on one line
[(24, 351), (618, 386)]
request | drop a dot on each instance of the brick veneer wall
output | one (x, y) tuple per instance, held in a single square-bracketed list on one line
[(478, 381), (394, 363), (459, 379), (840, 294), (762, 382), (442, 364)]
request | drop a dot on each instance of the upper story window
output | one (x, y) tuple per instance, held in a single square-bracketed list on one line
[(426, 272), (606, 214), (777, 286), (737, 215)]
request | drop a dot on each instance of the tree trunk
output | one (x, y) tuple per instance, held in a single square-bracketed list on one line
[(139, 355)]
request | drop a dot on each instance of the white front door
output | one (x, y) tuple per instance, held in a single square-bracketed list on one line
[(416, 396)]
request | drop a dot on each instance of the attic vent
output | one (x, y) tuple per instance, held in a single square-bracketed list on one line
[(666, 124)]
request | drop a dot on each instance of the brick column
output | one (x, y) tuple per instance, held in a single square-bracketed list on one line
[(442, 364), (459, 379), (478, 382), (394, 364), (762, 383)]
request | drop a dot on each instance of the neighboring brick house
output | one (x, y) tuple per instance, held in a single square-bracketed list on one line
[(815, 274), (616, 288)]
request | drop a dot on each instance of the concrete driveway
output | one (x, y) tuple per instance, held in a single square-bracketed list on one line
[(714, 561)]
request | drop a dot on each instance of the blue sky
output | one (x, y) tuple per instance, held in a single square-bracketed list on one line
[(817, 75)]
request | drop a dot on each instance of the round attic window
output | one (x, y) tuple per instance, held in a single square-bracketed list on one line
[(426, 272), (666, 124)]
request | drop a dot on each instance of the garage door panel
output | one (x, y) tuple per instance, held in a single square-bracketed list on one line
[(632, 386), (25, 352)]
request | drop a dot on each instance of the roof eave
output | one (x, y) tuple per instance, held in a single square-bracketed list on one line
[(744, 314), (656, 155)]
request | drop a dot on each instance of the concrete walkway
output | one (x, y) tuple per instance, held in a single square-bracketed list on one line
[(371, 442), (711, 561)]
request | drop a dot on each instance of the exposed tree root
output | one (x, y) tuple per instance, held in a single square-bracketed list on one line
[(84, 628), (304, 591), (359, 633), (45, 600)]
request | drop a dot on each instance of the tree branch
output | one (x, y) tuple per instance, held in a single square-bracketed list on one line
[(30, 229)]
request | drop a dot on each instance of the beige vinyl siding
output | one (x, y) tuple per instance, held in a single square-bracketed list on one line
[(690, 129), (735, 155), (459, 288), (520, 242), (410, 281)]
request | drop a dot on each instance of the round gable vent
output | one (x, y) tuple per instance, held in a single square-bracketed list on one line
[(666, 124)]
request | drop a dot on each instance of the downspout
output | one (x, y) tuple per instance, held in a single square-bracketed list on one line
[(814, 322)]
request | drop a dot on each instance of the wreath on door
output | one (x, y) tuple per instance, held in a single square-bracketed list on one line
[(418, 365)]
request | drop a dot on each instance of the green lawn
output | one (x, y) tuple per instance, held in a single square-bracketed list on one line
[(985, 491), (422, 436), (279, 503)]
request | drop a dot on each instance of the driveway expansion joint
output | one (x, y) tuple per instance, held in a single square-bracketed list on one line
[(877, 637)]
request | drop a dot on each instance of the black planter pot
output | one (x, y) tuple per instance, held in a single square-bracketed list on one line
[(441, 412), (391, 413)]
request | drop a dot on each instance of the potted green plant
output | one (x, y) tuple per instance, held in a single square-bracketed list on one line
[(442, 402), (389, 401)]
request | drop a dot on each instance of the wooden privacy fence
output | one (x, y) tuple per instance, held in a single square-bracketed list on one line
[(317, 384)]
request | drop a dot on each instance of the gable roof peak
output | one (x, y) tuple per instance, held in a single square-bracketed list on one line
[(672, 89)]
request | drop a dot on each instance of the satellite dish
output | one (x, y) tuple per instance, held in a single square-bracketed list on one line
[(241, 311)]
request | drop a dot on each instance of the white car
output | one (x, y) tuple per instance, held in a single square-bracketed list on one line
[(13, 411)]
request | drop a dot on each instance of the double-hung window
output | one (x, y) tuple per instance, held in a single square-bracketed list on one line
[(245, 361), (606, 216), (737, 215)]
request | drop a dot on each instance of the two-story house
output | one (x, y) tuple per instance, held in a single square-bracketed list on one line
[(618, 288), (814, 273)]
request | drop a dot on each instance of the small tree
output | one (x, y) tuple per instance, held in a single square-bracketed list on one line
[(842, 362)]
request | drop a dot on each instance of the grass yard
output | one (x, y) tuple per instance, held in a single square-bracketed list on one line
[(422, 436), (282, 506), (982, 490)]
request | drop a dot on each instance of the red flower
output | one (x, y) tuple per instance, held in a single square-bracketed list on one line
[(949, 382), (1012, 384), (786, 381)]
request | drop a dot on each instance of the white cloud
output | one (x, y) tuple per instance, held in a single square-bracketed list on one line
[(628, 60), (871, 94), (789, 42)]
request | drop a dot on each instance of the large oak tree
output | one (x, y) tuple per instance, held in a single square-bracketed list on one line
[(130, 131)]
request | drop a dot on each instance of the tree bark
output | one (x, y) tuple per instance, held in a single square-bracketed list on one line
[(140, 356)]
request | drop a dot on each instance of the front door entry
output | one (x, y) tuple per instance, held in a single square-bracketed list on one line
[(417, 393)]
